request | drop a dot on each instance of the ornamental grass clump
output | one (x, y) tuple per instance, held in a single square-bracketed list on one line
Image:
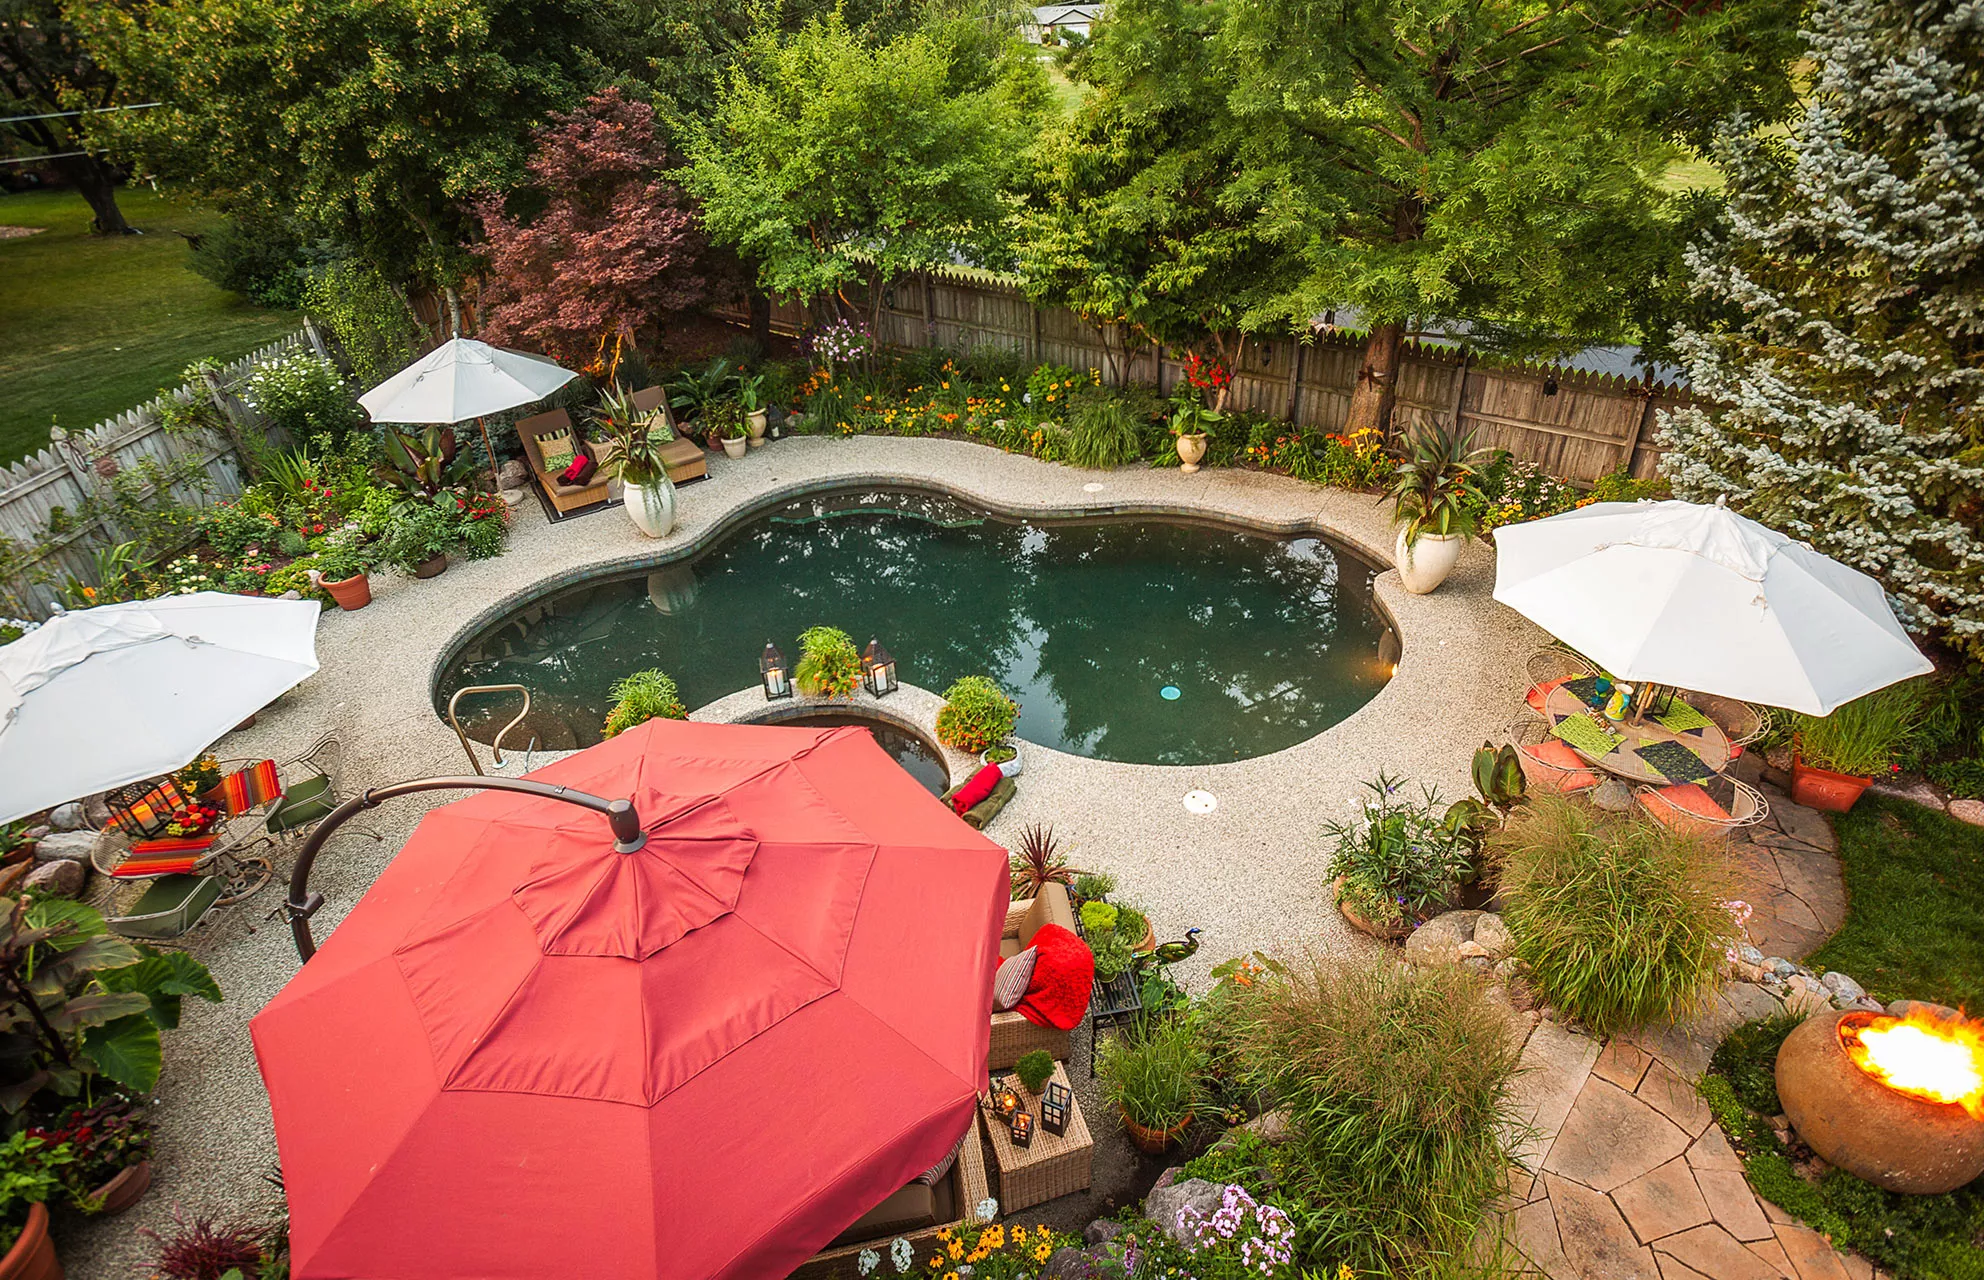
[(641, 697), (1102, 432), (1395, 1082), (1620, 921), (1862, 737)]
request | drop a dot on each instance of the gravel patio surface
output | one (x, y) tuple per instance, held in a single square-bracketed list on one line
[(1250, 873)]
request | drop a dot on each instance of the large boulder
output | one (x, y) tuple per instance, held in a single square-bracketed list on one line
[(67, 817), (1163, 1204), (65, 846), (1493, 935), (1438, 940), (61, 879), (1971, 811), (513, 474)]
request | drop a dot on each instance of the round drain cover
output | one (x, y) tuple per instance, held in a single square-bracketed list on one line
[(1170, 693), (1094, 486), (1200, 802)]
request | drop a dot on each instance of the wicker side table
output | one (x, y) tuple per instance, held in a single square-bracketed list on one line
[(1052, 1165)]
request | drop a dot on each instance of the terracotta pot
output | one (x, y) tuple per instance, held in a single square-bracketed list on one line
[(756, 419), (1390, 933), (1191, 449), (249, 723), (354, 592), (33, 1255), (1425, 564), (1817, 788), (1154, 1141), (431, 568), (124, 1190), (1147, 943), (735, 448)]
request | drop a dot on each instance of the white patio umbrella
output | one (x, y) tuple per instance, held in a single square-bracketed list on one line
[(99, 697), (463, 379), (1698, 597)]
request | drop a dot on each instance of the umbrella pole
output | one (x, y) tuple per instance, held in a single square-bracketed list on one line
[(490, 451)]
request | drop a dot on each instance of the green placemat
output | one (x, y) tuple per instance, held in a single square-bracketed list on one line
[(1680, 718), (1674, 762), (1585, 736)]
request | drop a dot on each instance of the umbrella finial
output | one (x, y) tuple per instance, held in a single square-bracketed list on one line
[(627, 834), (1722, 501)]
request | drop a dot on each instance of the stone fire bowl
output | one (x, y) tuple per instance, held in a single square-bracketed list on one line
[(1856, 1123)]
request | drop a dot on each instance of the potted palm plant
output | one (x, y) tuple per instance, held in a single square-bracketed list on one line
[(1835, 758), (1434, 501), (634, 456), (751, 394), (1152, 1075)]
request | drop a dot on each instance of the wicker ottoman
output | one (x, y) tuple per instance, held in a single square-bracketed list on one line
[(1050, 1166)]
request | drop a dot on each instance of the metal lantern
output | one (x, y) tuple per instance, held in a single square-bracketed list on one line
[(776, 675), (1021, 1127), (878, 669), (1054, 1108), (1006, 1101)]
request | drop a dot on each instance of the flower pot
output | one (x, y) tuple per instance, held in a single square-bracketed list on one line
[(756, 419), (124, 1190), (1383, 933), (651, 506), (735, 448), (431, 568), (1148, 943), (354, 592), (1154, 1141), (1426, 562), (1010, 768), (1191, 448), (1817, 788), (33, 1255)]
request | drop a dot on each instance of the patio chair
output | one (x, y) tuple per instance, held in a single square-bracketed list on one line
[(1690, 807), (550, 443), (1548, 763), (1549, 667), (683, 457), (183, 881), (309, 793), (1013, 1036), (1740, 722)]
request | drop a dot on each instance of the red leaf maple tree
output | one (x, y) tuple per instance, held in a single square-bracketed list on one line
[(617, 246)]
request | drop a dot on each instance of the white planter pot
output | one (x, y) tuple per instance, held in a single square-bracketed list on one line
[(1191, 449), (735, 448), (651, 506), (756, 419), (1011, 768), (1426, 563)]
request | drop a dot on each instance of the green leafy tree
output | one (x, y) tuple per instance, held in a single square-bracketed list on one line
[(1493, 162), (831, 159), (374, 120), (45, 70), (1843, 335)]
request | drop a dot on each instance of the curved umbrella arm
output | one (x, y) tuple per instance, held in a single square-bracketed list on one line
[(302, 904)]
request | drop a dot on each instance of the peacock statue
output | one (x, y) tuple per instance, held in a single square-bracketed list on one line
[(1181, 949)]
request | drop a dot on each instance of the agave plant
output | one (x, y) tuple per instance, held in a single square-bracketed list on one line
[(1434, 490), (1038, 862)]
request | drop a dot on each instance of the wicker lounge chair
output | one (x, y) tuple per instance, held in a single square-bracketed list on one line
[(1013, 1036), (554, 432), (1549, 667), (683, 457), (1695, 808), (1548, 763), (1740, 722), (916, 1213)]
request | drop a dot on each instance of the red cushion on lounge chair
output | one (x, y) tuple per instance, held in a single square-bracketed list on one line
[(1063, 975), (1672, 805), (980, 786), (579, 472), (1538, 692), (1551, 765)]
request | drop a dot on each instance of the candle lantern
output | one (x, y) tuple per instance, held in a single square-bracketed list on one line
[(878, 669), (1005, 1101), (1054, 1108), (776, 675), (1022, 1128)]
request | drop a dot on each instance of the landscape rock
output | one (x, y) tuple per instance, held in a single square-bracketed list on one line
[(1805, 1003), (1478, 964), (1471, 950), (1780, 966), (1270, 1127), (291, 594), (1438, 940), (1867, 1004), (1750, 955), (65, 846), (1163, 1204), (1916, 791), (1743, 972), (1613, 796), (1902, 1008), (513, 474), (1102, 1231), (1067, 1263), (1800, 983), (512, 497), (60, 879), (66, 817), (1492, 934), (1971, 811), (1841, 986)]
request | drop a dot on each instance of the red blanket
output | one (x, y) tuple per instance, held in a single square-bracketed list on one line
[(1063, 972), (981, 785)]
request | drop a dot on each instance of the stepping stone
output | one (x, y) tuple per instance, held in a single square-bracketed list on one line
[(1672, 1270), (1533, 1228), (1611, 1137), (1775, 1215), (1714, 1252), (1733, 1204), (1773, 1253), (1554, 1066), (1811, 1257), (1662, 1202), (1596, 1240), (1712, 1151), (1622, 1063), (1747, 1002), (1674, 1098), (1806, 825)]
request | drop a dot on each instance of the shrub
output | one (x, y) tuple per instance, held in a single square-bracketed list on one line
[(1151, 1071), (976, 713), (31, 1170), (260, 259), (305, 396), (1862, 737), (1396, 1083), (1398, 861), (1098, 917), (1131, 925), (829, 665), (1102, 433), (1094, 884), (641, 697), (1033, 1069), (367, 315), (1620, 922)]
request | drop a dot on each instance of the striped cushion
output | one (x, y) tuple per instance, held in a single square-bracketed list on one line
[(172, 856), (246, 789), (1010, 983)]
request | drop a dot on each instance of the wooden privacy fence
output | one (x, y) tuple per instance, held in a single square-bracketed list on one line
[(1573, 424), (55, 508)]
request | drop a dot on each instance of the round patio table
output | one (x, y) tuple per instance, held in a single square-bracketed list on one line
[(1707, 744)]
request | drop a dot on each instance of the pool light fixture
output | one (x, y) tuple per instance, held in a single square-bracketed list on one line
[(776, 675), (878, 669)]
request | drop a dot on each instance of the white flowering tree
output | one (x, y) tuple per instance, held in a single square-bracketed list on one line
[(1846, 282)]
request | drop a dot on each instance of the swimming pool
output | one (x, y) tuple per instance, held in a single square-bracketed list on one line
[(1128, 638)]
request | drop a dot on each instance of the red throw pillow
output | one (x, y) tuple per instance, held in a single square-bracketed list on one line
[(1063, 973), (980, 786), (579, 472)]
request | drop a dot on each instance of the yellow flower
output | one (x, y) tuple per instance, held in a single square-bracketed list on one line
[(957, 1250), (1043, 1250), (1019, 1233), (1343, 1272), (946, 386)]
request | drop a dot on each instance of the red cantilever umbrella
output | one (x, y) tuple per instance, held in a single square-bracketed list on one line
[(525, 1055)]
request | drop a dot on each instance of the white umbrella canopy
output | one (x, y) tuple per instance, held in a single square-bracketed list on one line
[(100, 697), (1698, 597), (463, 379)]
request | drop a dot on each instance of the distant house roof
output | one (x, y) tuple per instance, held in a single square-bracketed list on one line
[(1624, 361), (1062, 15)]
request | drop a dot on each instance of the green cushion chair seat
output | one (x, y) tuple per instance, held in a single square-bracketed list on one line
[(169, 906), (306, 802)]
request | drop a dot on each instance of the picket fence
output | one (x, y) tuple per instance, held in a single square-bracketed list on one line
[(54, 508), (1574, 424)]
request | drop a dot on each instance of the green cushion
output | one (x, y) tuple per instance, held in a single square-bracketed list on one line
[(305, 803), (169, 907), (658, 429), (557, 450)]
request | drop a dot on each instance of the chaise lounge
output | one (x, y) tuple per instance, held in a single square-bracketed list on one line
[(550, 443)]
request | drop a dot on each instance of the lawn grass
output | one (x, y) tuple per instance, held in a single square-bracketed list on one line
[(1915, 904), (91, 326)]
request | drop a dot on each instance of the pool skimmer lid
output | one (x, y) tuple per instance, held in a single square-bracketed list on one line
[(1200, 802)]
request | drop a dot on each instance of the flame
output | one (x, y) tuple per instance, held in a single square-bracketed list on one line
[(1921, 1055)]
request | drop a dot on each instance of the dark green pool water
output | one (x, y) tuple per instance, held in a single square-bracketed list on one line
[(1264, 641)]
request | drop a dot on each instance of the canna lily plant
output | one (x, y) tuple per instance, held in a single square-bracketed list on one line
[(1434, 489)]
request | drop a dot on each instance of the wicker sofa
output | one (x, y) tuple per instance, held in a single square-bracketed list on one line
[(917, 1212), (1012, 1035)]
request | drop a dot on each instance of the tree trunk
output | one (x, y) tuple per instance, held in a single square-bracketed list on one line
[(760, 304), (1377, 382), (96, 184), (454, 310)]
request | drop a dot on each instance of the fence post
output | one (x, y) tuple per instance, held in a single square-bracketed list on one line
[(1639, 427), (929, 311), (1037, 343), (316, 339), (1295, 381), (231, 424), (1460, 385)]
